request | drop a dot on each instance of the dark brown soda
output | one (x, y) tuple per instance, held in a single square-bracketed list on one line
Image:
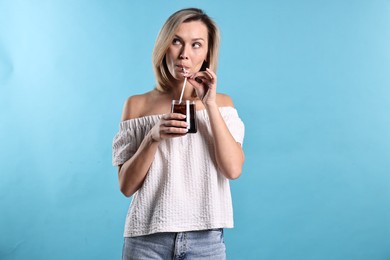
[(191, 117)]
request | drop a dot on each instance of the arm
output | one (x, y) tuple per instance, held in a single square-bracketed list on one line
[(228, 153), (132, 173)]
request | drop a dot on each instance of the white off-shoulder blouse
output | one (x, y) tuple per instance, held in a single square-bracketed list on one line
[(183, 189)]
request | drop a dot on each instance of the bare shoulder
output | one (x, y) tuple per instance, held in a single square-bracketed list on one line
[(224, 100), (134, 105)]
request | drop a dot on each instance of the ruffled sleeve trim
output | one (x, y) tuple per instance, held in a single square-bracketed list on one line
[(129, 137), (232, 120), (234, 123), (139, 122)]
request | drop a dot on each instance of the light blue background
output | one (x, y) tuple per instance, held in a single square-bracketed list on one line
[(311, 81)]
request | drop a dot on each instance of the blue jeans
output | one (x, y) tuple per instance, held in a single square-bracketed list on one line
[(204, 244)]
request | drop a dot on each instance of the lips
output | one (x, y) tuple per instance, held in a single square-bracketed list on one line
[(182, 67), (183, 70)]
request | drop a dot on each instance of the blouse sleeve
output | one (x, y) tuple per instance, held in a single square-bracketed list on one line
[(235, 125), (123, 146), (129, 138)]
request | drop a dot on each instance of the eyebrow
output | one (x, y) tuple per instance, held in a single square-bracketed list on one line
[(195, 39)]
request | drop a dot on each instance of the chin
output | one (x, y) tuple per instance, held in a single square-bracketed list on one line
[(178, 77)]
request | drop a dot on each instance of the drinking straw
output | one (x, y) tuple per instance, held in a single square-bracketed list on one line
[(184, 86)]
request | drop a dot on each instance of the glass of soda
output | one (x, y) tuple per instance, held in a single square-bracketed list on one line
[(186, 107)]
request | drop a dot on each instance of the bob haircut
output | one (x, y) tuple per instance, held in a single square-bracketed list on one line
[(166, 35)]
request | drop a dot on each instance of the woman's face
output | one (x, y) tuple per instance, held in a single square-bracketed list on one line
[(188, 49)]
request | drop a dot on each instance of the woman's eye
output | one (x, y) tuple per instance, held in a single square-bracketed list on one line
[(176, 42), (196, 45)]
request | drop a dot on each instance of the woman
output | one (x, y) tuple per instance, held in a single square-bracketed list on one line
[(179, 181)]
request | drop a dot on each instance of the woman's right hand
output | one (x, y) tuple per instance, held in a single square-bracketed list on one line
[(169, 126)]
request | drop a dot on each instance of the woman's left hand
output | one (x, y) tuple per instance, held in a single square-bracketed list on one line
[(205, 84)]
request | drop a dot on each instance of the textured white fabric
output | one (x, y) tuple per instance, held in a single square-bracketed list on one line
[(183, 190)]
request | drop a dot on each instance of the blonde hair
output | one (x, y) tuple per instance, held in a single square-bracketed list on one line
[(166, 35)]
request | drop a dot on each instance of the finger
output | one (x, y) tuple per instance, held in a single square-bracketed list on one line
[(203, 80), (212, 76), (171, 116), (211, 73), (171, 130), (207, 79), (209, 76), (195, 81), (175, 123)]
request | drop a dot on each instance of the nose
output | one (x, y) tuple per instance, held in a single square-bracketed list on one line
[(183, 55)]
